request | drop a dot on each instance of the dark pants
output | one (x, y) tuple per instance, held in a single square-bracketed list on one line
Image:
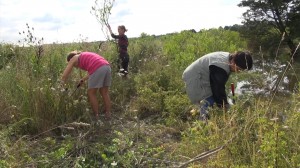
[(123, 61)]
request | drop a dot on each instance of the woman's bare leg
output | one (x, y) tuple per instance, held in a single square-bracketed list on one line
[(104, 91), (92, 94)]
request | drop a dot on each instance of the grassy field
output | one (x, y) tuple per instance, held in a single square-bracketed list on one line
[(153, 124)]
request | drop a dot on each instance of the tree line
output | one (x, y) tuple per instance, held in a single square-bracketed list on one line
[(268, 22)]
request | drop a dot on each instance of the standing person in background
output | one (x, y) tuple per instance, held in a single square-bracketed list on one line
[(99, 77), (206, 78), (122, 48)]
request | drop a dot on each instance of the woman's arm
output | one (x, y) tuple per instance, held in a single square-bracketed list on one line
[(218, 79), (68, 69), (109, 28), (111, 33)]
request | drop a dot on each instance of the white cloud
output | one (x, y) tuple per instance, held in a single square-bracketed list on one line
[(156, 16), (67, 20)]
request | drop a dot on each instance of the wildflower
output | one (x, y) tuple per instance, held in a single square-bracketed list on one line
[(7, 67), (114, 163)]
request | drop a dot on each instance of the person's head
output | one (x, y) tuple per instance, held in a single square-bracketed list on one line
[(240, 61), (72, 54), (122, 29)]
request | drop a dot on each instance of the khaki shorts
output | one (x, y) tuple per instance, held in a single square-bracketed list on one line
[(100, 78)]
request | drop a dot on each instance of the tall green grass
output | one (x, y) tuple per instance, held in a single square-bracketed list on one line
[(153, 124)]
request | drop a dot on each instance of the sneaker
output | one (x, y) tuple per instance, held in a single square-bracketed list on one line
[(121, 70), (125, 73), (204, 117)]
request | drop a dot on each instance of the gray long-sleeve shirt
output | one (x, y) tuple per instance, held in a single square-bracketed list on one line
[(201, 84)]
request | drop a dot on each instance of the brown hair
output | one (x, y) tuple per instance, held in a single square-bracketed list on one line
[(123, 27), (72, 54), (242, 59)]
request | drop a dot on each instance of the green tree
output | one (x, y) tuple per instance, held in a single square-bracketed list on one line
[(281, 15), (294, 19)]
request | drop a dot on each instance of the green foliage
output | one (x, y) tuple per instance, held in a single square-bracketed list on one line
[(3, 164), (152, 125), (119, 151), (183, 48), (6, 54), (273, 145), (255, 140), (142, 50), (176, 107), (150, 94), (270, 20)]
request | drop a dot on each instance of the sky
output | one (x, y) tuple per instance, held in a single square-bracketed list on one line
[(61, 21)]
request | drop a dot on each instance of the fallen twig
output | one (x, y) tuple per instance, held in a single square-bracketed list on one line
[(208, 153)]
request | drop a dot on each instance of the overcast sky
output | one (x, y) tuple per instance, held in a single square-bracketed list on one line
[(70, 20)]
